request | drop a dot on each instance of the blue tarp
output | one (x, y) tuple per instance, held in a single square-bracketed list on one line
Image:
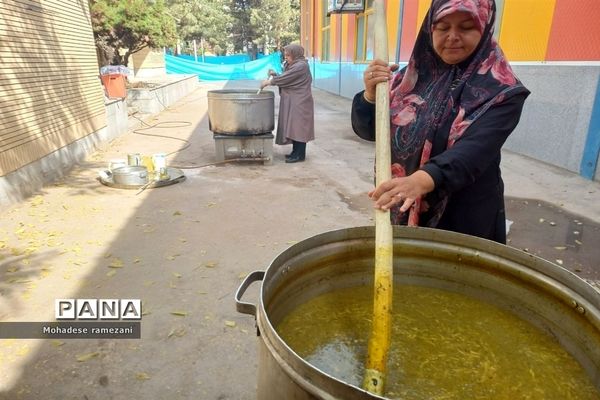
[(256, 69), (232, 59)]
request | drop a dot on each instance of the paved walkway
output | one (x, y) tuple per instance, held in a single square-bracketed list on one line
[(185, 248)]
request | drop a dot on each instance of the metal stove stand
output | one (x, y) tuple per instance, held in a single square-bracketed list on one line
[(244, 147)]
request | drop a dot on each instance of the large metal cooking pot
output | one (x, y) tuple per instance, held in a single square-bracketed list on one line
[(538, 291), (241, 112)]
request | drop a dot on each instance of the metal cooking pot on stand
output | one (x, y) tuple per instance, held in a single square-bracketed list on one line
[(245, 112)]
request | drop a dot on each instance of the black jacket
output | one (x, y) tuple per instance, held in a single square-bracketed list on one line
[(469, 172)]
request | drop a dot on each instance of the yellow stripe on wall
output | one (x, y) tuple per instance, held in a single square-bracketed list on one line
[(393, 23), (525, 29), (333, 36), (423, 8)]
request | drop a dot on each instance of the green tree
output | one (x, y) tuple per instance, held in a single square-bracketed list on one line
[(207, 21), (124, 27), (264, 24), (276, 23), (243, 32)]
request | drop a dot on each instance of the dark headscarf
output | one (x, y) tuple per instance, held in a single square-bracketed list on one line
[(296, 51), (428, 93)]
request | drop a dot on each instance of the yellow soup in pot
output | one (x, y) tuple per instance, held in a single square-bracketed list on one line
[(444, 346)]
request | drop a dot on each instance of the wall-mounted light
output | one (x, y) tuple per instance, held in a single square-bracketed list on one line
[(345, 6)]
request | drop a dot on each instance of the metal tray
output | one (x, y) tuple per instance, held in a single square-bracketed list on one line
[(175, 176)]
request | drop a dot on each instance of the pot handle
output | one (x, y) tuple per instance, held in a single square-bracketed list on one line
[(242, 307)]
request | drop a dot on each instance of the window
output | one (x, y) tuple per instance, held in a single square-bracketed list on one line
[(325, 33), (364, 34)]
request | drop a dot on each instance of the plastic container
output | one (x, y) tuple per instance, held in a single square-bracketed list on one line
[(160, 165), (114, 84)]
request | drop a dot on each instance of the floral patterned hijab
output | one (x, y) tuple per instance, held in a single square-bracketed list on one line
[(428, 93)]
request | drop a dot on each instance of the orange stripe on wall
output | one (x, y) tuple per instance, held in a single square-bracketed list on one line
[(344, 37), (317, 28), (409, 28), (575, 33), (414, 13), (333, 37), (351, 38)]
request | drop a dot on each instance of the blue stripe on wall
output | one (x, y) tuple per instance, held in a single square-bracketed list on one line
[(589, 161), (499, 13), (399, 37)]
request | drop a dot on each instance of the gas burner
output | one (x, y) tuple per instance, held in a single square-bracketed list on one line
[(244, 147)]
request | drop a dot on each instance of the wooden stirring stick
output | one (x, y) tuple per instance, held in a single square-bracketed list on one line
[(379, 341)]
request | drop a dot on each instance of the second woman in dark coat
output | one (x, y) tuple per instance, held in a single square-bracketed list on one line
[(296, 121)]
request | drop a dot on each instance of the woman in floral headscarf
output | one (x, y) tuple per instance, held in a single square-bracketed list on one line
[(452, 108)]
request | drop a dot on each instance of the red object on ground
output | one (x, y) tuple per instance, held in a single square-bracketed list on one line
[(114, 84)]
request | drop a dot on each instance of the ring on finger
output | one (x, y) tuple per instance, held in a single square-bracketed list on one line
[(371, 75)]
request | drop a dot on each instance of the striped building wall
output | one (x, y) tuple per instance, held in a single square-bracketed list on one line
[(527, 30), (52, 109), (559, 40), (50, 92)]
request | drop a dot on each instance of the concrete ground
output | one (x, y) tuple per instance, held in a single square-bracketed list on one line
[(184, 249)]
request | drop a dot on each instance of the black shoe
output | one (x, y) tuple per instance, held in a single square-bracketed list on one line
[(294, 159), (294, 150)]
